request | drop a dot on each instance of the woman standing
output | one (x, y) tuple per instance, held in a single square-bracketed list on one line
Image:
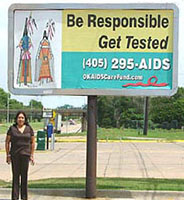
[(21, 137)]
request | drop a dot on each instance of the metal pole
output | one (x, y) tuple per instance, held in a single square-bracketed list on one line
[(146, 116), (8, 109), (91, 148), (47, 135), (47, 140), (31, 110), (83, 122), (67, 124)]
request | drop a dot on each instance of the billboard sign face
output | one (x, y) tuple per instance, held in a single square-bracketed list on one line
[(78, 49)]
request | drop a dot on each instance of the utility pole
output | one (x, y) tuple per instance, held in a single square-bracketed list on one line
[(8, 109), (146, 107), (31, 110)]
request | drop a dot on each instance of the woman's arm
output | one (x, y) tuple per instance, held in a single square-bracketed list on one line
[(32, 149), (7, 148)]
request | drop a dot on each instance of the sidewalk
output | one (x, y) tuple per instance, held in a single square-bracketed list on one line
[(70, 194)]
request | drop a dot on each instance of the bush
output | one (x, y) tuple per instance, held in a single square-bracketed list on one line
[(174, 124), (134, 124), (166, 125), (151, 125)]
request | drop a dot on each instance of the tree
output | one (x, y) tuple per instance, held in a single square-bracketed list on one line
[(105, 111), (35, 104), (167, 109), (85, 106), (3, 98), (66, 106), (14, 104), (117, 111)]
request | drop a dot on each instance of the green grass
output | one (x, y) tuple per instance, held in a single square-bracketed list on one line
[(35, 125), (4, 184), (4, 128), (108, 183), (71, 134), (116, 134), (124, 134), (113, 183)]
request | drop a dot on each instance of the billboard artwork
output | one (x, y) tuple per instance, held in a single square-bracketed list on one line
[(96, 51), (37, 39)]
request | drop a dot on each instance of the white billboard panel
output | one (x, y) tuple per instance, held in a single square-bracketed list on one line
[(93, 49)]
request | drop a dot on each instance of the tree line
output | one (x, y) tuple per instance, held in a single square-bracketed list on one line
[(128, 112), (113, 111), (6, 104)]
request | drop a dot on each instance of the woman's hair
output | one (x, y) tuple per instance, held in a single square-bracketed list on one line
[(16, 117)]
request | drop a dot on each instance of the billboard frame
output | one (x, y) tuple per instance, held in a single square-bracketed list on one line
[(86, 92)]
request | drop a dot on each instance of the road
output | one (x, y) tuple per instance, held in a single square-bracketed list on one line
[(120, 159), (132, 159), (67, 128)]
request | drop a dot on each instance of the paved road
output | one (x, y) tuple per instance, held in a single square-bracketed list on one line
[(67, 128), (142, 160), (122, 159)]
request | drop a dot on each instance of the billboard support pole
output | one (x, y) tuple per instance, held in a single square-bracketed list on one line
[(91, 148)]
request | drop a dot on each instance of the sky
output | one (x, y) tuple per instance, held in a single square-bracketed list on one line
[(55, 101)]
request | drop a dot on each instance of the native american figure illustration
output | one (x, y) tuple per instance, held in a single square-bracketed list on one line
[(24, 70), (44, 71)]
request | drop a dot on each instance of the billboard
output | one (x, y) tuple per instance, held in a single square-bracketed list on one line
[(93, 49)]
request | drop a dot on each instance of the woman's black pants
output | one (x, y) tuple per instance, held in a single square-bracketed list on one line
[(20, 164)]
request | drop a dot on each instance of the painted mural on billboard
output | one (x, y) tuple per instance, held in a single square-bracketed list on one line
[(37, 59)]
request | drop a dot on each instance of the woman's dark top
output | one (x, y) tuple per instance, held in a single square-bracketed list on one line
[(20, 142)]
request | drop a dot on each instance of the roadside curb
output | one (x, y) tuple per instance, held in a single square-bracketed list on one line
[(119, 141), (80, 193)]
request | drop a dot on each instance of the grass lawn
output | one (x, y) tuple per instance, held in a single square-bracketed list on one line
[(36, 126), (4, 184), (4, 128), (124, 134), (108, 183), (114, 133)]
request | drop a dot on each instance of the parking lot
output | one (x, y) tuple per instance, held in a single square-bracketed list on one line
[(146, 159), (120, 159)]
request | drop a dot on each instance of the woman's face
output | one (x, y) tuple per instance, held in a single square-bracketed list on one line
[(20, 119)]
